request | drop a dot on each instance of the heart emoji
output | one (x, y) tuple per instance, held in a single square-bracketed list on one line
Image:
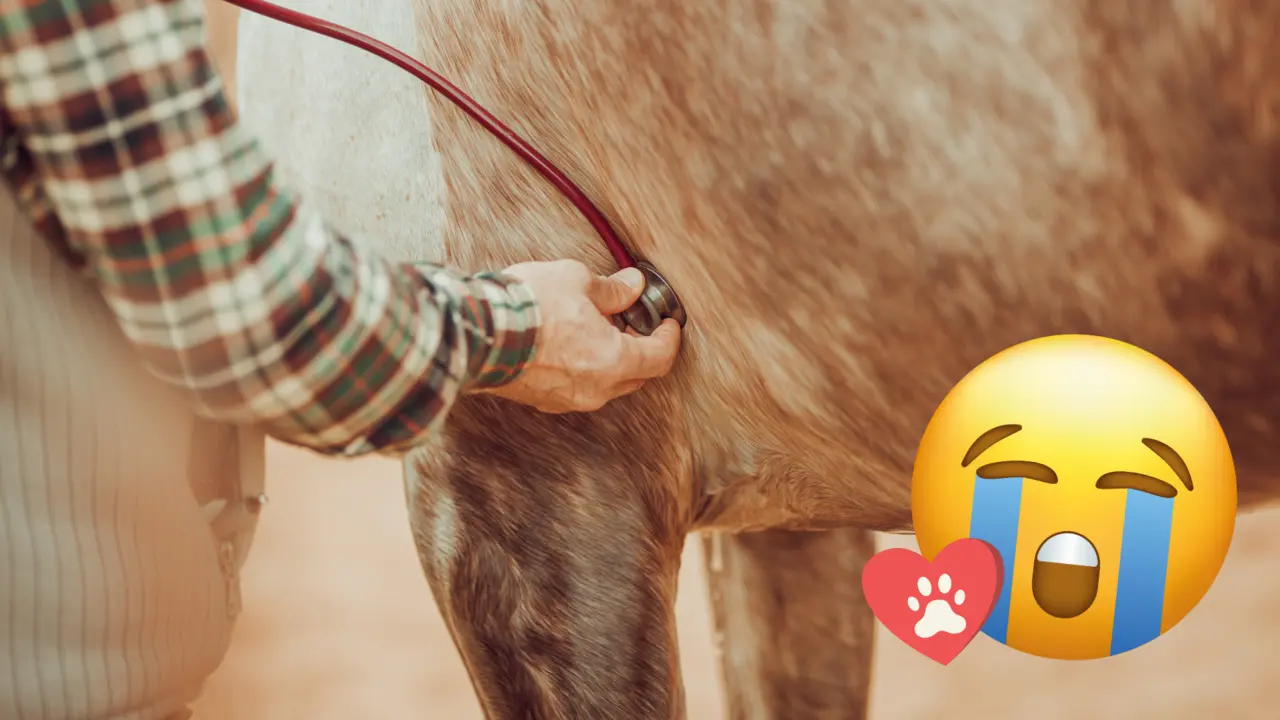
[(937, 608)]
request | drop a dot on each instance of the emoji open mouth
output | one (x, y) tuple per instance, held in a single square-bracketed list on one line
[(1064, 580)]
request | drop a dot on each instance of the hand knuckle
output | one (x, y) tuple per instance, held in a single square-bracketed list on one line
[(574, 268), (582, 364), (589, 402)]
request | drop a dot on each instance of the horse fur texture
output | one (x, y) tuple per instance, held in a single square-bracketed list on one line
[(857, 202)]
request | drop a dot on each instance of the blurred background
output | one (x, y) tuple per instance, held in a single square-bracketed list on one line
[(339, 621)]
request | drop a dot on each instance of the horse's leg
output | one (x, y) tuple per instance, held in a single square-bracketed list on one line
[(552, 544), (794, 630)]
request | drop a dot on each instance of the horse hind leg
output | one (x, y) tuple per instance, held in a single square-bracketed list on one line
[(553, 546), (795, 633)]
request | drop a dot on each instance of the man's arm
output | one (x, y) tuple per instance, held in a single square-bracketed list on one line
[(120, 143)]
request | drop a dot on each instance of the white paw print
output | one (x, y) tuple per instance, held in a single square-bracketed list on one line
[(938, 614)]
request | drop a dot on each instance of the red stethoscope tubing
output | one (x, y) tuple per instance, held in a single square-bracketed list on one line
[(437, 82)]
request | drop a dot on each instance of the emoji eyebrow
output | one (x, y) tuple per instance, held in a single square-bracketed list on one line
[(1125, 480), (1018, 469), (1171, 458), (987, 439)]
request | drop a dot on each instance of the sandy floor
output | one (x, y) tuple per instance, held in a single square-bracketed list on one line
[(339, 623)]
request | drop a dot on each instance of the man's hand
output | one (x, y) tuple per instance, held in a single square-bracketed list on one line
[(583, 361)]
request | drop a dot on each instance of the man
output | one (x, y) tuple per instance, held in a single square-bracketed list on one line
[(127, 498)]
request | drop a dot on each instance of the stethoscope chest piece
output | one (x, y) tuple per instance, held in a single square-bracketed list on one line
[(657, 303)]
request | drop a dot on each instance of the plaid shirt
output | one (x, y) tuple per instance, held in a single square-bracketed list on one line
[(118, 141)]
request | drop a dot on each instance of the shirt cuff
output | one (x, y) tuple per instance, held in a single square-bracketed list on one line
[(507, 313)]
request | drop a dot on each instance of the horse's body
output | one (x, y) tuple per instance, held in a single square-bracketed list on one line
[(857, 202)]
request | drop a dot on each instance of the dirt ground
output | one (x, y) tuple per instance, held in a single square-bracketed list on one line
[(339, 623)]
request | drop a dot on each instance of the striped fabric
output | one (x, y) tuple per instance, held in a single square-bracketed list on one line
[(140, 220), (119, 564)]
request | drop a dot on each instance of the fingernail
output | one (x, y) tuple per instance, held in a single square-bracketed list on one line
[(631, 277)]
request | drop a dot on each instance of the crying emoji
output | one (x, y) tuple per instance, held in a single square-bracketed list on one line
[(1101, 477)]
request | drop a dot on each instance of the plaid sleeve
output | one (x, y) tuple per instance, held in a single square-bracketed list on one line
[(120, 144)]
